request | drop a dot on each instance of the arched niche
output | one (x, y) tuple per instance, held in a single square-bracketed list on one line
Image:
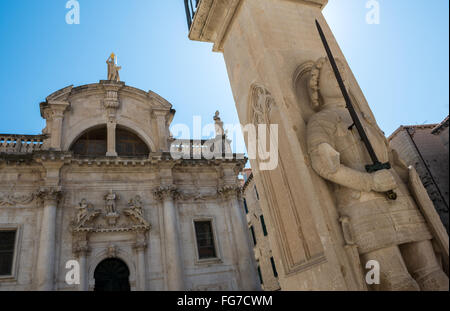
[(93, 142)]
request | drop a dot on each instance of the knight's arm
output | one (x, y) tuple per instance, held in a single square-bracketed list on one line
[(326, 162)]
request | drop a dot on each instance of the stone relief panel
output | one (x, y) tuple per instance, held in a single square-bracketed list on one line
[(13, 199), (296, 233), (111, 218)]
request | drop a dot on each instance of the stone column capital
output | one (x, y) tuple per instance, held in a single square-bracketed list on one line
[(81, 250), (140, 245), (56, 107), (50, 194), (228, 191), (163, 193)]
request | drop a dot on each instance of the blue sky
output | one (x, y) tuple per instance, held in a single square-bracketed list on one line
[(401, 64)]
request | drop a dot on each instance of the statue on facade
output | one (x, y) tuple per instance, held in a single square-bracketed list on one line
[(83, 210), (135, 204), (218, 125), (113, 69), (392, 232), (85, 214), (110, 206)]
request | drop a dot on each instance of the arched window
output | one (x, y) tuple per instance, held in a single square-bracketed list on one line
[(129, 144), (94, 143)]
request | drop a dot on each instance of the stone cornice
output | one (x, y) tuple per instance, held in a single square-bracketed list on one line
[(156, 158), (441, 126), (60, 95), (249, 180), (213, 18)]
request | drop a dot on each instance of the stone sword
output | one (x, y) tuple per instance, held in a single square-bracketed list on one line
[(377, 165)]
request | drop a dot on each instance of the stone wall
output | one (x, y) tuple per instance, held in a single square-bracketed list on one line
[(418, 147), (262, 249)]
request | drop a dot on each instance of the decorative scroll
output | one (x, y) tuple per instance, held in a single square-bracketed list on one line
[(16, 199)]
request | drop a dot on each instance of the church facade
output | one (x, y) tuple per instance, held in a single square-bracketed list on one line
[(98, 202)]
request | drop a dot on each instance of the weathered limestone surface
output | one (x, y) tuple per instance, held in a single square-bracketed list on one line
[(270, 48)]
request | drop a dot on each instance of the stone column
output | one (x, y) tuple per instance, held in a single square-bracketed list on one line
[(140, 247), (81, 251), (246, 263), (111, 139), (53, 112), (174, 261), (47, 239)]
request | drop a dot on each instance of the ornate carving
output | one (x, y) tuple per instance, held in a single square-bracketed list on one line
[(86, 213), (12, 199), (111, 101), (197, 196), (135, 204), (262, 103), (89, 219), (135, 211), (229, 190), (165, 192), (141, 241), (111, 251), (81, 247), (50, 194)]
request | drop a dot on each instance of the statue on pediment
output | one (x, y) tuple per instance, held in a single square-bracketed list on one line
[(113, 69)]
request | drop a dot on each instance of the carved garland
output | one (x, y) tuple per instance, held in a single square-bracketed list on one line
[(16, 199)]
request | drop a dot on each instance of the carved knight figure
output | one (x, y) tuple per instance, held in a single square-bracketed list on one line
[(392, 232), (113, 69)]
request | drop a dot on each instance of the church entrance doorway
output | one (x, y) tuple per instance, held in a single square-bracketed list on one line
[(112, 274)]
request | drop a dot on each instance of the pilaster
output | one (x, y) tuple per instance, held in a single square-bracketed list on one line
[(50, 197), (175, 276)]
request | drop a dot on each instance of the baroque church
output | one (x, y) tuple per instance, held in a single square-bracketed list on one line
[(99, 202)]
